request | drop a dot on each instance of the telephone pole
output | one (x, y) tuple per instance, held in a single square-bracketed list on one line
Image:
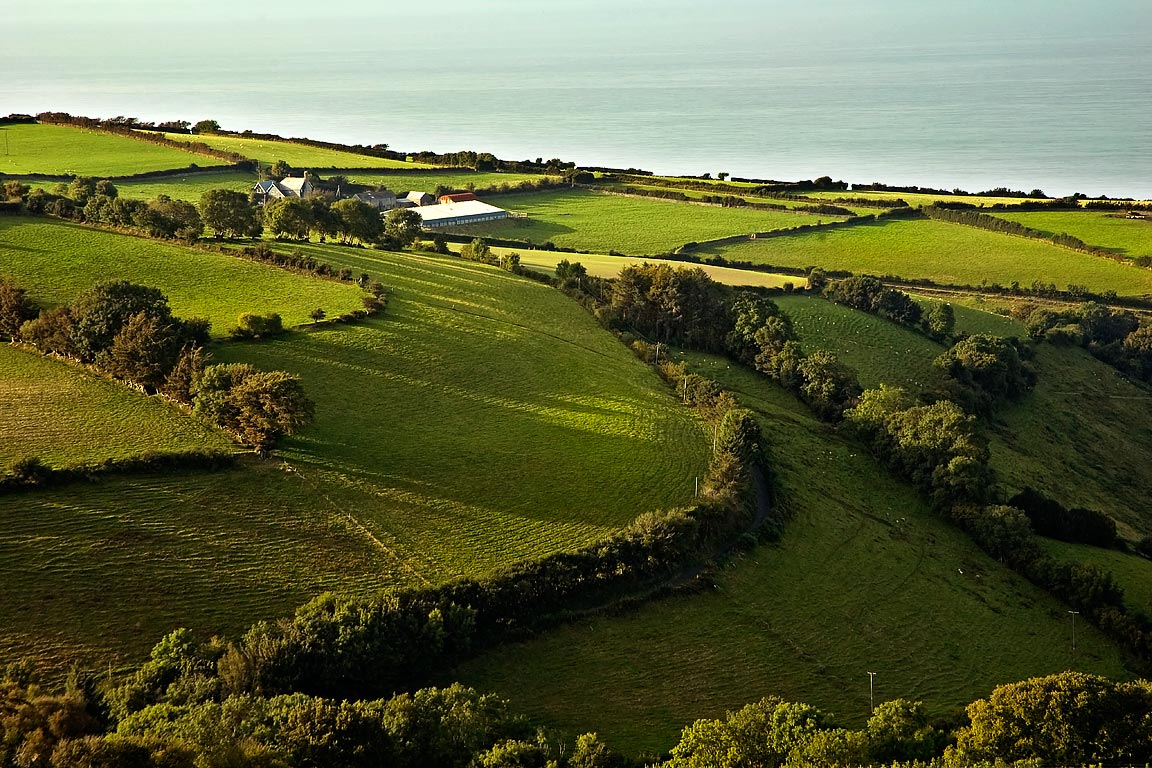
[(871, 702), (1074, 615)]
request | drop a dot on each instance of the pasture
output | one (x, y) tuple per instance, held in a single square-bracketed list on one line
[(974, 315), (60, 150), (866, 578), (301, 156), (949, 254), (880, 351), (1082, 437), (697, 194), (55, 261), (600, 222), (1104, 229), (1133, 573), (187, 186), (486, 419), (65, 416), (504, 423), (96, 574)]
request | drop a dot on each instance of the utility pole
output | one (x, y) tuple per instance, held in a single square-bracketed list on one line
[(1074, 615), (871, 702)]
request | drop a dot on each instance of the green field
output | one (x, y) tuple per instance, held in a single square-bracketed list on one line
[(427, 181), (599, 265), (1105, 229), (946, 253), (880, 351), (1084, 437), (865, 579), (697, 194), (55, 261), (65, 416), (485, 420), (58, 149), (96, 574), (974, 315), (601, 222), (187, 186), (300, 156), (1132, 572)]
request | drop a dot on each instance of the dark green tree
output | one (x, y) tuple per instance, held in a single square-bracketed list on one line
[(229, 213), (402, 227), (15, 308)]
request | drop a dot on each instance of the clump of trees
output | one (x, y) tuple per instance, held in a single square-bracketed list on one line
[(682, 306), (1069, 718), (983, 371), (128, 331), (1077, 525), (259, 407), (868, 294), (231, 214), (98, 201), (936, 447), (1117, 337)]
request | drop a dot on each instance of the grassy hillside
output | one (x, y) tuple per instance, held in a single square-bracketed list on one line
[(975, 315), (56, 260), (946, 253), (66, 416), (1132, 572), (485, 420), (878, 350), (1107, 229), (865, 579), (1084, 436), (601, 222), (58, 149), (96, 574), (300, 156), (493, 420)]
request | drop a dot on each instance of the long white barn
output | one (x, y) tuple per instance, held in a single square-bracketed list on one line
[(458, 214)]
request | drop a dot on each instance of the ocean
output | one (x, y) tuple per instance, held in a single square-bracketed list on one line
[(1055, 95)]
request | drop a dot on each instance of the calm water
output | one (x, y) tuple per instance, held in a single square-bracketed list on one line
[(1053, 94)]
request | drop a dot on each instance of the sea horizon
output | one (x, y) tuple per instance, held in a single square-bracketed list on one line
[(1039, 95)]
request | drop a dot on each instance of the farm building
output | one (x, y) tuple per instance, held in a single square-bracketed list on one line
[(381, 199), (414, 199), (292, 186), (459, 214), (457, 197)]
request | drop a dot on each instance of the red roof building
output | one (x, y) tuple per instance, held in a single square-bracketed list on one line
[(458, 197)]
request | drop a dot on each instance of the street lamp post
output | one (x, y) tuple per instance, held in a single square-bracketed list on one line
[(1074, 615)]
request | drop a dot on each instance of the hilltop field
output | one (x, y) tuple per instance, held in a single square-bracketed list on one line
[(295, 154), (949, 254), (58, 149), (600, 222)]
